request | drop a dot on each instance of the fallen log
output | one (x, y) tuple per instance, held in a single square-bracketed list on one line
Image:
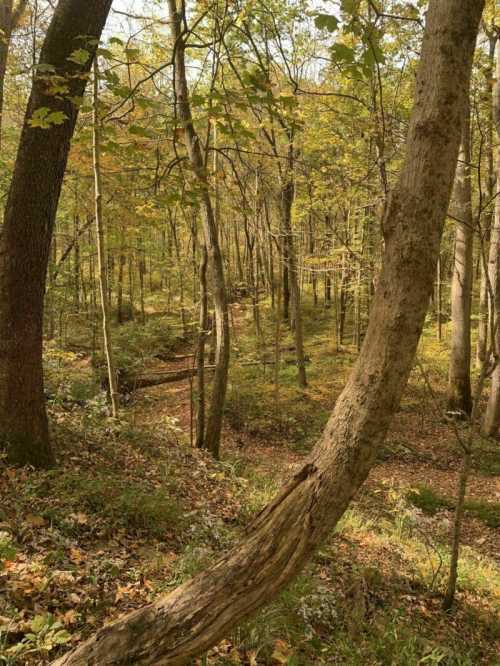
[(129, 383)]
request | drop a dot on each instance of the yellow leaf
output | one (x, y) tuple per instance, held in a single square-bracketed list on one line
[(35, 521), (76, 555), (282, 652)]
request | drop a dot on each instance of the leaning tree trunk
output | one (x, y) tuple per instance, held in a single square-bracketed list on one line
[(459, 386), (281, 539), (491, 420), (219, 384), (28, 224)]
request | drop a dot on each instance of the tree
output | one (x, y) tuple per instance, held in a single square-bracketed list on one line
[(49, 123), (281, 539), (482, 326), (491, 420), (101, 246), (459, 387), (219, 385), (10, 16)]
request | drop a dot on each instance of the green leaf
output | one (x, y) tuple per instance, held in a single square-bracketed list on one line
[(140, 131), (80, 56), (45, 118), (44, 67), (61, 637), (39, 622), (343, 53), (122, 91), (349, 6), (132, 54), (197, 99), (106, 53), (326, 22)]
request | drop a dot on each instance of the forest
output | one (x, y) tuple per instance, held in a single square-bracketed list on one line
[(250, 332)]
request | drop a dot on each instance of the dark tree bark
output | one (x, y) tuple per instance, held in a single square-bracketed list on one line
[(26, 234), (281, 539)]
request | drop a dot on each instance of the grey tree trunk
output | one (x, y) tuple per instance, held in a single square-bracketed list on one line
[(200, 352), (439, 301), (101, 249), (287, 196), (482, 328), (282, 538), (491, 420), (459, 385), (219, 384)]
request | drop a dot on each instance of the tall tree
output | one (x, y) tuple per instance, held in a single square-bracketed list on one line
[(491, 420), (482, 326), (211, 232), (459, 386), (64, 64), (281, 539), (101, 246), (10, 15)]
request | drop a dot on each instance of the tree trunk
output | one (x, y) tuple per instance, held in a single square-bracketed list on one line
[(5, 34), (101, 249), (482, 327), (76, 264), (200, 352), (285, 280), (9, 20), (26, 234), (281, 539), (287, 195), (219, 384), (459, 386), (491, 420), (119, 286), (439, 301)]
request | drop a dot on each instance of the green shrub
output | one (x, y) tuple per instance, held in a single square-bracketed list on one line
[(134, 344), (251, 408)]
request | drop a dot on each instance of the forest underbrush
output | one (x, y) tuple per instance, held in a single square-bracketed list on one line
[(132, 510)]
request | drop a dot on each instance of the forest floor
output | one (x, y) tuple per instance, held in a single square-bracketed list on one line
[(133, 510)]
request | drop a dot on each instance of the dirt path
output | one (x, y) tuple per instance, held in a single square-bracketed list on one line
[(432, 458)]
